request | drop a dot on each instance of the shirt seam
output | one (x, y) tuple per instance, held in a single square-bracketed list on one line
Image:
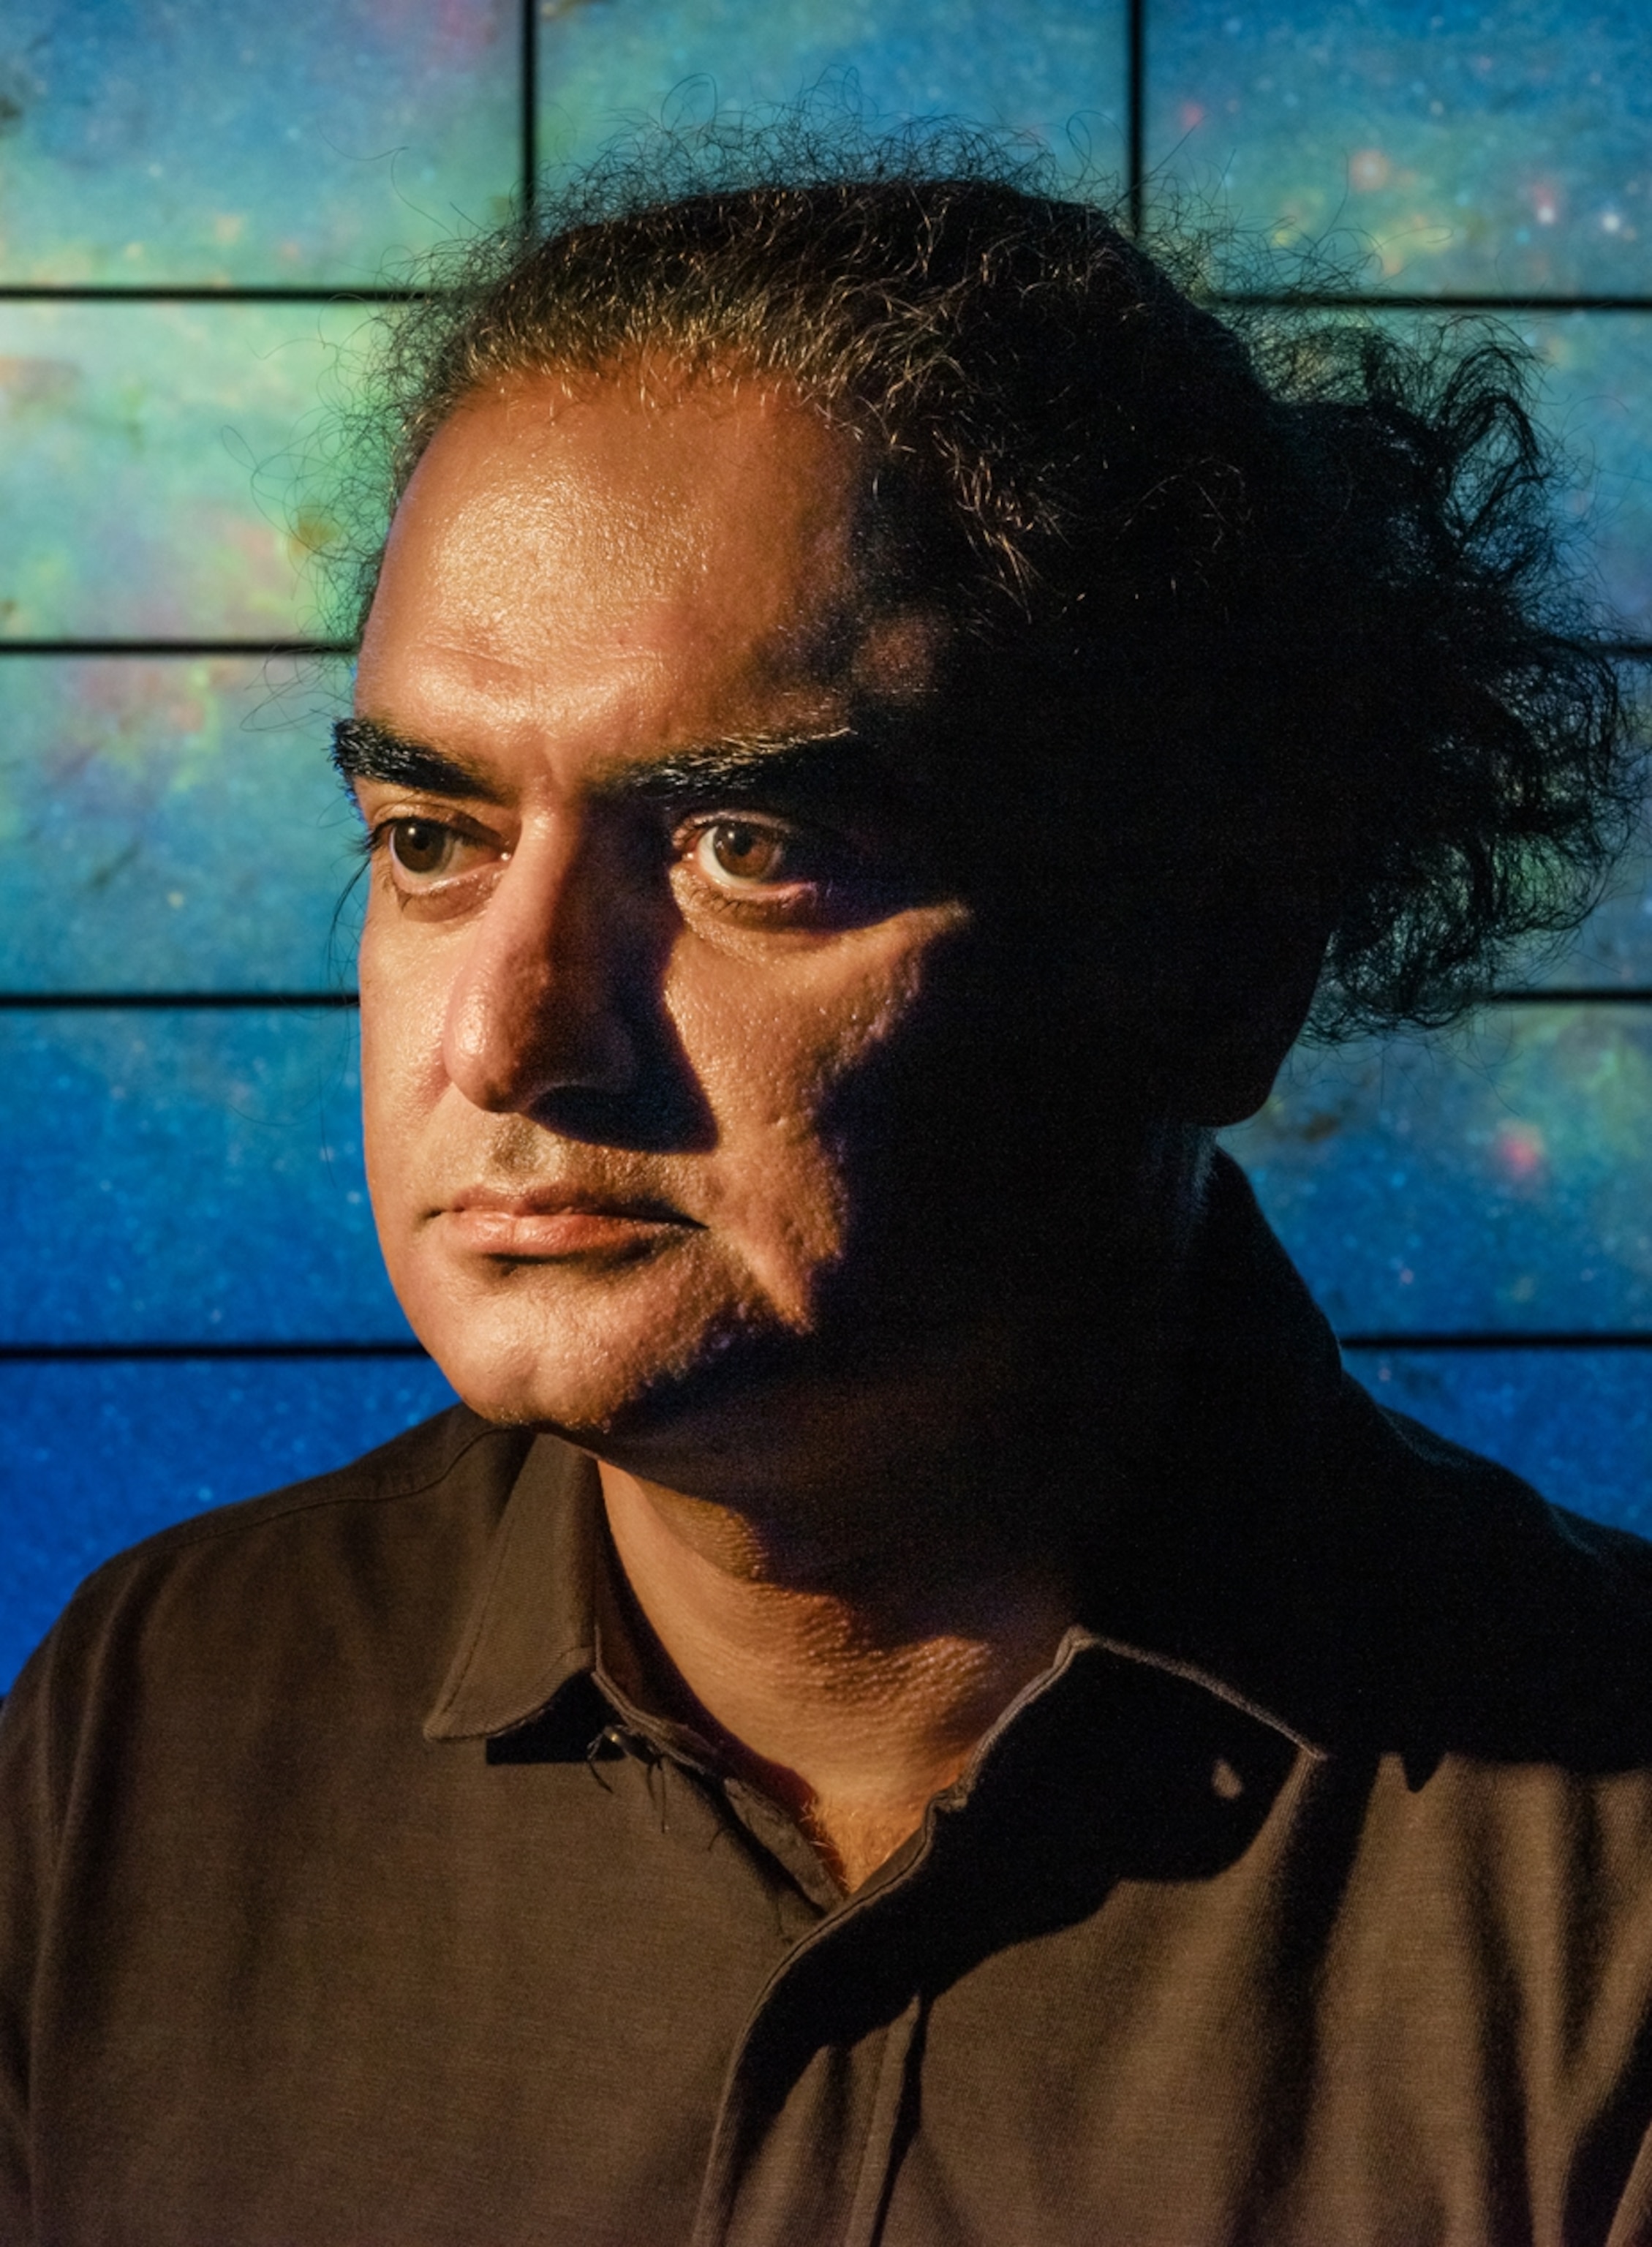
[(1193, 1673), (214, 1525)]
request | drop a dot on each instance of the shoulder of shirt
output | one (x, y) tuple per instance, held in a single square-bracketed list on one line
[(1491, 1616), (414, 1462), (1486, 1512), (1375, 1583), (287, 1601)]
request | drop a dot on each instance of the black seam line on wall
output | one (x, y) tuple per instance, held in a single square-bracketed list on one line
[(1480, 1338), (1575, 994), (1136, 126), (204, 292), (1379, 300), (46, 1001), (1306, 300), (530, 108), (1303, 300), (176, 647), (99, 1353), (1624, 651), (1559, 994)]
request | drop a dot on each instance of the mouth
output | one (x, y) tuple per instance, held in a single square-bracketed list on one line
[(552, 1224)]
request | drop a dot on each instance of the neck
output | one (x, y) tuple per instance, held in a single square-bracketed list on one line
[(852, 1687), (847, 1606)]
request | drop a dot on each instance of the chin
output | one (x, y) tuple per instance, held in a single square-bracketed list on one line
[(621, 1357), (528, 1385)]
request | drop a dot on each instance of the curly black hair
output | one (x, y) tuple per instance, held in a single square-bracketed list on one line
[(1264, 600)]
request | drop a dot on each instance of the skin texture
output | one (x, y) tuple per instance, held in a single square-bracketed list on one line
[(581, 1004), (699, 1125)]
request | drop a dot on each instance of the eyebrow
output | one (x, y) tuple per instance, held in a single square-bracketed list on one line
[(812, 767), (363, 749), (803, 765)]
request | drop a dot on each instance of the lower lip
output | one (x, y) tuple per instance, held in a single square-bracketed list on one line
[(546, 1235)]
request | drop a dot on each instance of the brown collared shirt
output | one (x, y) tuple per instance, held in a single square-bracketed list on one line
[(1306, 1900)]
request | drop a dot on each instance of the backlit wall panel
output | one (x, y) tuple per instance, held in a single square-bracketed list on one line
[(191, 1308)]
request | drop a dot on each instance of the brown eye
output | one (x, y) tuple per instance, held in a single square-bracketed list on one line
[(740, 851), (420, 846)]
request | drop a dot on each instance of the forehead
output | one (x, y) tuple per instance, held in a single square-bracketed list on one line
[(608, 558)]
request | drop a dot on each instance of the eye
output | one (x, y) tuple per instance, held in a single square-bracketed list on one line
[(742, 853), (422, 846), (434, 862)]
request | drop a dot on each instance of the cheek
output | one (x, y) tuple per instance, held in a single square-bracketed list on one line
[(781, 1060), (772, 1050), (403, 1009)]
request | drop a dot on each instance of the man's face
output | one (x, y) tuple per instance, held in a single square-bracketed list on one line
[(652, 963)]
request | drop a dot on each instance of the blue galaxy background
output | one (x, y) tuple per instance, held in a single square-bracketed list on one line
[(191, 1306)]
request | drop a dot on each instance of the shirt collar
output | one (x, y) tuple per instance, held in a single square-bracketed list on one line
[(1328, 1569), (532, 1624), (1259, 1354)]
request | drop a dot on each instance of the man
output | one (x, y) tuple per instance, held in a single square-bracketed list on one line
[(914, 1704)]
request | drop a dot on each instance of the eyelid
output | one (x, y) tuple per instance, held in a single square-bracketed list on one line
[(379, 822), (413, 804), (776, 821)]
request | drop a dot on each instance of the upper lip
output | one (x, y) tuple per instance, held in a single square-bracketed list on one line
[(554, 1201)]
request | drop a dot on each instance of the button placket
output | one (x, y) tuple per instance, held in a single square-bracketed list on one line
[(872, 2186), (806, 2008), (791, 2023)]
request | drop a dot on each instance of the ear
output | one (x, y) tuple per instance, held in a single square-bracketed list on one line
[(1246, 984)]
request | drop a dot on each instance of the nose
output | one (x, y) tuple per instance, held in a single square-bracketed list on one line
[(534, 1009)]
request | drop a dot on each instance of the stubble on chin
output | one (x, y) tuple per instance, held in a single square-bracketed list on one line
[(592, 1350)]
